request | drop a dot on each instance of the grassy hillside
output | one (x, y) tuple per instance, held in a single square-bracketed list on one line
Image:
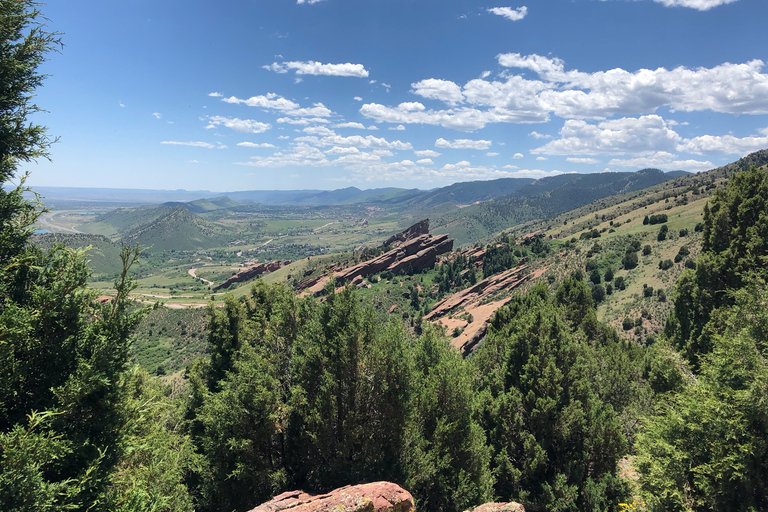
[(103, 254), (178, 229)]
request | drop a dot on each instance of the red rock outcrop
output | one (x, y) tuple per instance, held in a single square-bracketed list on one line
[(251, 272), (418, 229), (500, 507), (417, 254), (372, 497), (471, 309)]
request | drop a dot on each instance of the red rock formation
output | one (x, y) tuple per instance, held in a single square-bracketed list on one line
[(477, 302), (251, 272), (417, 254), (418, 229), (500, 507), (373, 497)]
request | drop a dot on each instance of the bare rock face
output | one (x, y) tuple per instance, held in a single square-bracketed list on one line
[(417, 254), (500, 507), (251, 272), (418, 229), (372, 497)]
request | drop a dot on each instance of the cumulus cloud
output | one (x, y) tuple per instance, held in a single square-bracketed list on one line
[(427, 152), (724, 144), (255, 145), (465, 119), (662, 160), (510, 13), (518, 156), (359, 126), (317, 68), (237, 124), (301, 121), (740, 88), (397, 128), (582, 160), (492, 153), (206, 145), (700, 5), (358, 141), (215, 94), (537, 135), (425, 161), (272, 101), (443, 90), (463, 144), (627, 135)]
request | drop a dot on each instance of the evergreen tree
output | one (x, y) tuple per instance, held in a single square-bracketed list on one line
[(62, 354), (550, 411)]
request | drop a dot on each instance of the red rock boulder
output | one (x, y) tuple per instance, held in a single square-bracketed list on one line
[(500, 507), (372, 497)]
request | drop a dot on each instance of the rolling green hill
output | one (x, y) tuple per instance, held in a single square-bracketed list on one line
[(540, 199), (178, 229)]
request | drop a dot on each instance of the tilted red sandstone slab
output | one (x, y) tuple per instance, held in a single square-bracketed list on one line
[(500, 507), (372, 497)]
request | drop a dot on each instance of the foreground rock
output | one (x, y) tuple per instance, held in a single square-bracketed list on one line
[(500, 507), (372, 497), (251, 272)]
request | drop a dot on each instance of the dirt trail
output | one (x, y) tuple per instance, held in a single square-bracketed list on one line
[(193, 273)]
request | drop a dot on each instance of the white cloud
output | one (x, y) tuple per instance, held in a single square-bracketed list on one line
[(536, 63), (358, 141), (323, 131), (359, 126), (283, 137), (397, 128), (724, 144), (206, 145), (308, 2), (272, 101), (541, 158), (700, 5), (571, 94), (255, 145), (157, 115), (316, 68), (518, 156), (302, 121), (662, 160), (427, 152), (509, 166), (122, 105), (425, 161), (237, 124), (627, 135), (443, 90), (510, 13), (463, 144), (582, 160), (301, 155), (357, 98), (373, 128), (492, 153), (215, 94), (537, 135)]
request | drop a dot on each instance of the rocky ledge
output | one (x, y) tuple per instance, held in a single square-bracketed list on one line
[(413, 250), (251, 272), (372, 497)]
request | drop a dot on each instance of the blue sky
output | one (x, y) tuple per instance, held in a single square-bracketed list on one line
[(270, 94)]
